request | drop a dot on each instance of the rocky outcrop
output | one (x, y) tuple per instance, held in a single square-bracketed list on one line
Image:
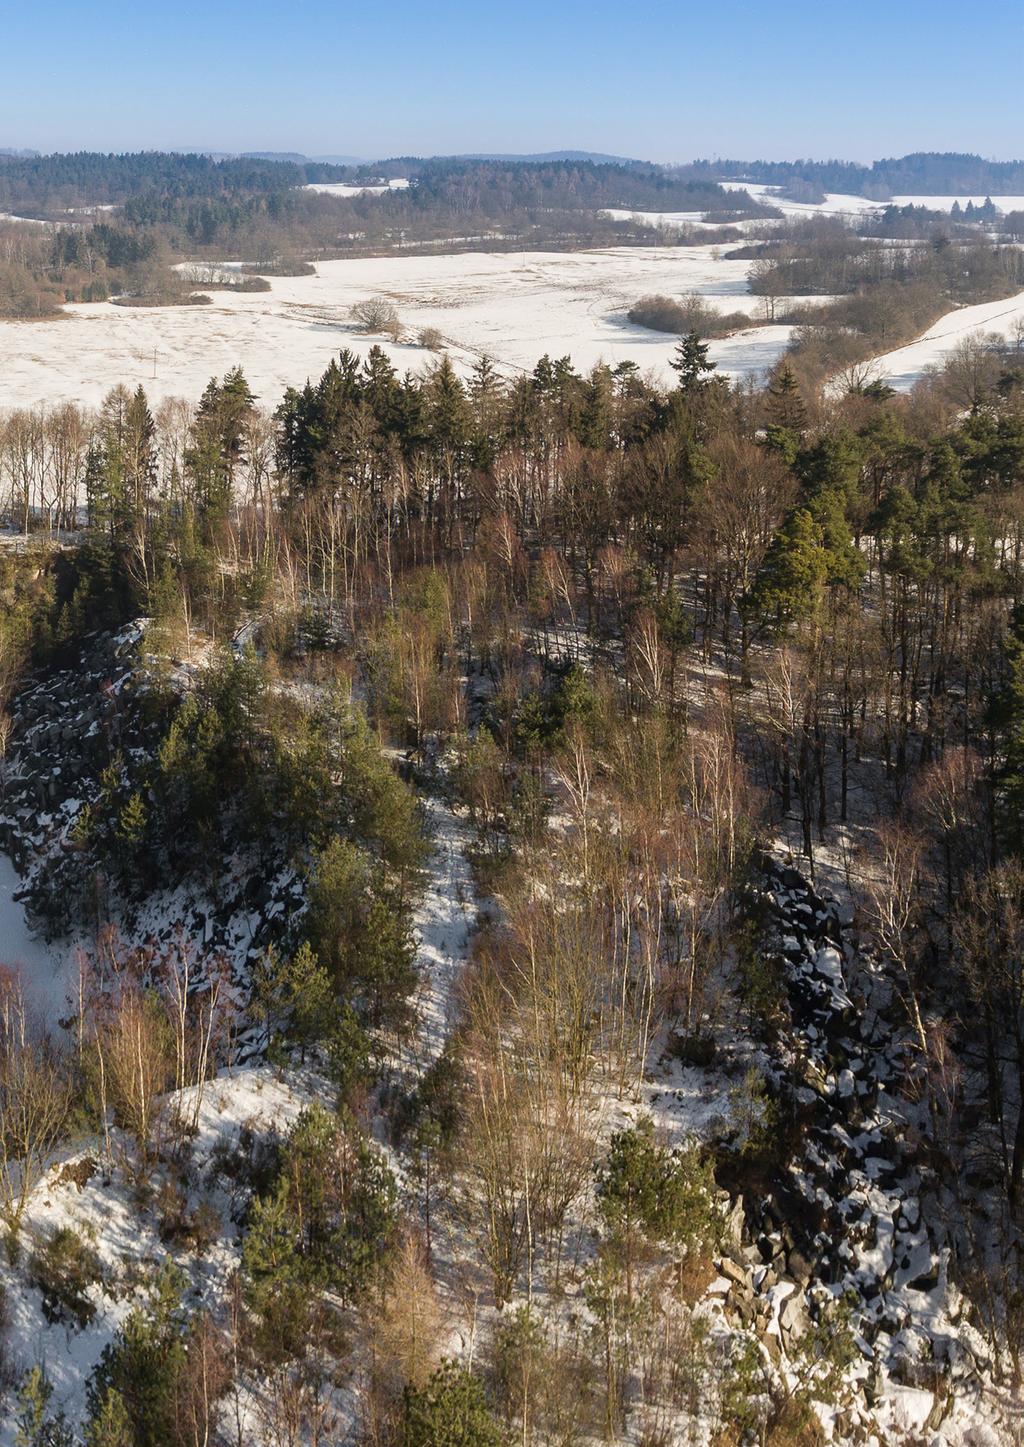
[(844, 1221)]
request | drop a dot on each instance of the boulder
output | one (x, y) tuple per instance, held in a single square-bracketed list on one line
[(799, 1267), (793, 1318), (734, 1272)]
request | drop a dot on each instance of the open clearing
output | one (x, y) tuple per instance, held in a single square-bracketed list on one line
[(512, 307)]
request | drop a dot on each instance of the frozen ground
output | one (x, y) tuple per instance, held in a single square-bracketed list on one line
[(512, 307), (905, 366), (46, 971)]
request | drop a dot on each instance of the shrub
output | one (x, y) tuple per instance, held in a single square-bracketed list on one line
[(691, 314), (375, 314), (431, 338), (282, 266), (63, 1269), (450, 1411)]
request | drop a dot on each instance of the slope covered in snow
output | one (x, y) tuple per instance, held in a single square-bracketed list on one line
[(907, 365)]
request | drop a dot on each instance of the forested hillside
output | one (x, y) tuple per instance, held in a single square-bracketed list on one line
[(924, 173), (532, 872), (116, 225)]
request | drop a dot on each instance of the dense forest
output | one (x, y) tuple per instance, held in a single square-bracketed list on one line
[(924, 173), (545, 862), (118, 224), (55, 183)]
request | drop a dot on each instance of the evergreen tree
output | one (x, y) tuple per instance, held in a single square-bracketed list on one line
[(34, 1426), (691, 364), (785, 411), (789, 583), (110, 1426), (450, 1411), (143, 1365)]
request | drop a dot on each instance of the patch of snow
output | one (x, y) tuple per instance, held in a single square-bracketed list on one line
[(127, 1239), (345, 190), (46, 971), (443, 922), (834, 204)]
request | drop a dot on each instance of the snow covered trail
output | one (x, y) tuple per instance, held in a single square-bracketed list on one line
[(444, 923)]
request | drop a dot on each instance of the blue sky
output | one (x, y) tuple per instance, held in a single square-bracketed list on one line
[(665, 81)]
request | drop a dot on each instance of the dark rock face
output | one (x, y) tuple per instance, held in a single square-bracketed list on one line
[(842, 1222)]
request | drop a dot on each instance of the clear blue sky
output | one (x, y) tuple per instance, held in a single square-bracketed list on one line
[(661, 79)]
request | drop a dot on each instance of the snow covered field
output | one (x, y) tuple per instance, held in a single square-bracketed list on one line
[(946, 203), (511, 307), (834, 204), (337, 188)]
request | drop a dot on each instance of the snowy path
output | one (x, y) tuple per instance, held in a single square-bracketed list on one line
[(444, 924)]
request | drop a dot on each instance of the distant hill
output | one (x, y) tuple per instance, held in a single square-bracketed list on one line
[(298, 158), (340, 160), (295, 157), (598, 157), (923, 173)]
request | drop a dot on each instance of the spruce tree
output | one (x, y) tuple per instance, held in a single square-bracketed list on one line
[(691, 364)]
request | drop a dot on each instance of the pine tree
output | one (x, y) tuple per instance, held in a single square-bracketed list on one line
[(144, 1362), (34, 1427), (110, 1425), (450, 1411), (691, 364), (785, 406), (789, 582)]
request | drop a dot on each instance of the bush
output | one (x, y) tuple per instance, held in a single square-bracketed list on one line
[(63, 1269), (282, 266), (431, 338), (450, 1411), (375, 314), (691, 314)]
